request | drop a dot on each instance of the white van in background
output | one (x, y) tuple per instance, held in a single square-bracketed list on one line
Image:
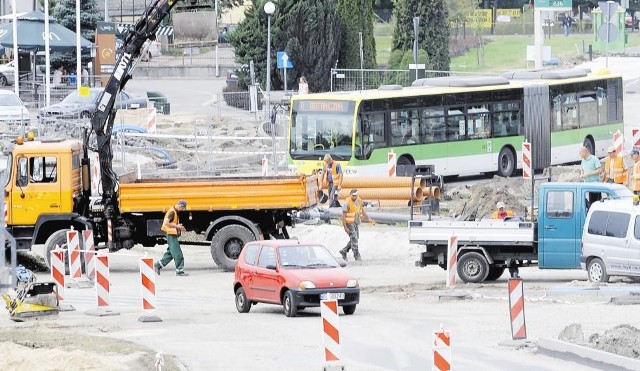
[(611, 240)]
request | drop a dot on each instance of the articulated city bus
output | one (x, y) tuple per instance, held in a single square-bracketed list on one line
[(462, 125)]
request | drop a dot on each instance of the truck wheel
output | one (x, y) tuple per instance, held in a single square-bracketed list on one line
[(597, 271), (473, 267), (506, 162), (227, 244), (494, 273), (57, 239)]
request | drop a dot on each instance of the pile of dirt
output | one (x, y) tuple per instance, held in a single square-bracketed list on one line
[(623, 339), (478, 201)]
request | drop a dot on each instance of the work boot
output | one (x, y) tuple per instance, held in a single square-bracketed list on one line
[(181, 273), (343, 254), (357, 257), (157, 266)]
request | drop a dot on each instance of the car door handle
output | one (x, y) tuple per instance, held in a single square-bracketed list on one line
[(550, 227), (54, 205)]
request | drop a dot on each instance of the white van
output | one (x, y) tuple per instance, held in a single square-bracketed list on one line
[(611, 240)]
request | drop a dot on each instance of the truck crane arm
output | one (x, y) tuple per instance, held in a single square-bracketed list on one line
[(103, 118)]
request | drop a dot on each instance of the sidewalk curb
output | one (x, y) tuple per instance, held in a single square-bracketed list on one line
[(586, 356)]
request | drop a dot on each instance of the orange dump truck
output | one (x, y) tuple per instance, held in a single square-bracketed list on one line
[(43, 182)]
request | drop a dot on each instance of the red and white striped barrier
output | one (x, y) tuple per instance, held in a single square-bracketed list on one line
[(109, 232), (452, 261), (58, 271), (6, 213), (151, 120), (441, 350), (102, 280), (148, 284), (89, 247), (526, 160), (73, 248), (635, 134), (516, 309), (265, 165), (331, 331), (391, 163), (618, 142)]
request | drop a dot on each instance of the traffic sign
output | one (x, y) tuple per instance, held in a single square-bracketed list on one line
[(283, 60), (553, 4)]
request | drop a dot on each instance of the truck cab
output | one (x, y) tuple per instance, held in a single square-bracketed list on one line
[(562, 211), (42, 183)]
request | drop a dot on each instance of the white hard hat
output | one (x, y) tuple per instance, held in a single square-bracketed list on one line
[(500, 205), (611, 149)]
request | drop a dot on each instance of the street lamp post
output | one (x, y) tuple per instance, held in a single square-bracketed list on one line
[(269, 8)]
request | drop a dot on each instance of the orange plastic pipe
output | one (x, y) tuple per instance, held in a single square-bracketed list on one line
[(381, 182)]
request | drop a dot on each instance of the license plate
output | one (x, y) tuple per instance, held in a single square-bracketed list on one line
[(332, 296)]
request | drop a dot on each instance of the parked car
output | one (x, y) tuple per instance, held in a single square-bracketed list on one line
[(74, 106), (12, 109), (225, 31), (611, 241), (292, 274), (6, 73)]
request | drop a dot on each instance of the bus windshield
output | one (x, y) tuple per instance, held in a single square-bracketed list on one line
[(319, 127)]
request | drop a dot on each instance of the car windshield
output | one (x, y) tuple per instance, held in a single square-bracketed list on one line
[(307, 257), (9, 100), (75, 98)]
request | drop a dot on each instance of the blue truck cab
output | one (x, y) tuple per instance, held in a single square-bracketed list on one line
[(562, 211)]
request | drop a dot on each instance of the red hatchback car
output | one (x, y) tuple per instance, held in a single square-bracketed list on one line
[(292, 274)]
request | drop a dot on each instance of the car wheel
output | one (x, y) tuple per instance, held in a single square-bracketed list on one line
[(349, 309), (3, 80), (473, 267), (290, 310), (597, 271), (243, 305)]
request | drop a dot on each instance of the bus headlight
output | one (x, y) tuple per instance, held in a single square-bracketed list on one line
[(350, 171)]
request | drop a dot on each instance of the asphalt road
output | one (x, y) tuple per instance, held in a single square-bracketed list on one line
[(391, 329)]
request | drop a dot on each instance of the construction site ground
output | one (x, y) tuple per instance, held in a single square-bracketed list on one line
[(401, 304)]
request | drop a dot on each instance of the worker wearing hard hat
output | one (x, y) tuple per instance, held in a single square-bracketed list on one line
[(502, 212), (615, 170)]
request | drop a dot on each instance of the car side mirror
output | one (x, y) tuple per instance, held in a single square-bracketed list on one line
[(343, 264), (271, 266)]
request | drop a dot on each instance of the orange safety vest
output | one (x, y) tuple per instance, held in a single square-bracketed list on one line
[(353, 209), (169, 230), (619, 172), (508, 214), (636, 176), (334, 173)]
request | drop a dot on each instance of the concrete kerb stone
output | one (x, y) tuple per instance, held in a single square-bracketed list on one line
[(585, 355), (517, 344), (149, 319), (452, 296)]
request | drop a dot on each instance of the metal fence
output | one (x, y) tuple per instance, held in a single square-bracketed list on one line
[(192, 54), (355, 79)]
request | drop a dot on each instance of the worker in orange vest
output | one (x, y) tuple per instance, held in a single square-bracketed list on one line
[(635, 186), (352, 213), (615, 170), (502, 212)]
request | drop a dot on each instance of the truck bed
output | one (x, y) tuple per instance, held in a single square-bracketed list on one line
[(212, 194), (483, 232)]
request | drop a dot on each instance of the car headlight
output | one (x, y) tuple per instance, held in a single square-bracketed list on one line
[(303, 285), (352, 283)]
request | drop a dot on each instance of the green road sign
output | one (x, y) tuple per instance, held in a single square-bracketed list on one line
[(553, 4)]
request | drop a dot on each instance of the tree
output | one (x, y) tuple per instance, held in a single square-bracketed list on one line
[(459, 11), (356, 16), (433, 34), (52, 4), (65, 14), (306, 29)]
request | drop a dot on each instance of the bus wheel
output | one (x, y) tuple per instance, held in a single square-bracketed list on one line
[(506, 162), (588, 143), (404, 161)]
